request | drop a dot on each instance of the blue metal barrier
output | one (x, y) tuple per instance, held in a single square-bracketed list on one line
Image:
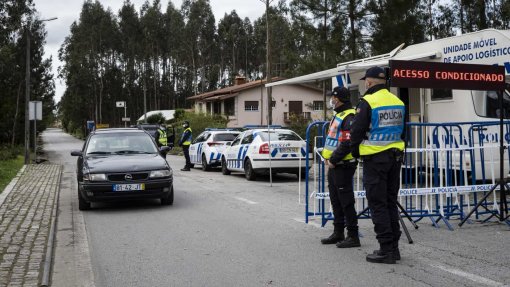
[(454, 156)]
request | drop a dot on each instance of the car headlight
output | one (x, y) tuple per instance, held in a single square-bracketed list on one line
[(94, 177), (160, 173)]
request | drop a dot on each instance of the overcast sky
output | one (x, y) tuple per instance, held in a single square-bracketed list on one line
[(69, 11)]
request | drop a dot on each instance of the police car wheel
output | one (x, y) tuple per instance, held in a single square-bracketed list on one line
[(249, 173), (205, 166), (224, 169)]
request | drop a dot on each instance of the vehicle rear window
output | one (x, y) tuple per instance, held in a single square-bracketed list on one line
[(224, 137), (279, 136)]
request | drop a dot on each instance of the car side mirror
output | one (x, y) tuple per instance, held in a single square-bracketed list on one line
[(228, 143), (164, 149), (76, 153)]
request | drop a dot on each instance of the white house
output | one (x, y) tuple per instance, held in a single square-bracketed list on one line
[(245, 103)]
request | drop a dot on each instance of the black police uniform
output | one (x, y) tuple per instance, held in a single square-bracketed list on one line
[(381, 178), (341, 192)]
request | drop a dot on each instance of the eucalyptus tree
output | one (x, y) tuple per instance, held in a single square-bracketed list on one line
[(130, 34), (17, 18), (395, 22), (173, 55), (282, 45), (200, 41)]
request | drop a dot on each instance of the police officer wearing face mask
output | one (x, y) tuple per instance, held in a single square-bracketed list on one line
[(377, 136), (185, 142), (342, 165), (161, 135)]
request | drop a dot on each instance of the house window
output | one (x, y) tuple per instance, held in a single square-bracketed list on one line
[(318, 105), (251, 105)]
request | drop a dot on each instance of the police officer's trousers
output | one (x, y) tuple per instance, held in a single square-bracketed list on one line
[(341, 195), (381, 178), (185, 150)]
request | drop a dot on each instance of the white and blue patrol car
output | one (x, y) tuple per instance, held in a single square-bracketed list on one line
[(254, 151), (207, 149)]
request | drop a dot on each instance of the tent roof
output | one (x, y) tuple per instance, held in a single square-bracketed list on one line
[(167, 114)]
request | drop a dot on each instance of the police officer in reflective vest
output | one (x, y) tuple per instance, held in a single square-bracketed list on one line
[(342, 165), (185, 142), (377, 136), (161, 135)]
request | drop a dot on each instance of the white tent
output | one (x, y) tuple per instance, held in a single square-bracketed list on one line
[(167, 114)]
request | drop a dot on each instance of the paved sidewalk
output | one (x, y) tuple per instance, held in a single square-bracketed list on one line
[(26, 216)]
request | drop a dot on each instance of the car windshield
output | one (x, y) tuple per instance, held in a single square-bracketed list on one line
[(120, 143), (224, 137), (286, 135)]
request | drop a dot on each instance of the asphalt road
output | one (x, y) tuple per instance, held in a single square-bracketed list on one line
[(226, 231)]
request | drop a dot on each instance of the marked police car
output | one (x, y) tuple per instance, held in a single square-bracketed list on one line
[(253, 151), (208, 147)]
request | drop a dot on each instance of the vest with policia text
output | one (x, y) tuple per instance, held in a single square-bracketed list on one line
[(387, 123), (162, 137), (335, 135), (187, 141)]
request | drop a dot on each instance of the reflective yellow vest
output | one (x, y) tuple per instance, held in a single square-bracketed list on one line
[(162, 137), (387, 123), (188, 140), (335, 134)]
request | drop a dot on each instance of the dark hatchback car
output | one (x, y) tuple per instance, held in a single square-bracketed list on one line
[(122, 164)]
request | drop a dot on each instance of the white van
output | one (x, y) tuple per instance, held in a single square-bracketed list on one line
[(487, 47)]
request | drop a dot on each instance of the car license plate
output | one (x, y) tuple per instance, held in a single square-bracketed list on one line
[(128, 187), (288, 149)]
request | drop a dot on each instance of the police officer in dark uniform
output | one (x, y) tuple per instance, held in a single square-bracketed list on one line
[(342, 165), (185, 142), (377, 136)]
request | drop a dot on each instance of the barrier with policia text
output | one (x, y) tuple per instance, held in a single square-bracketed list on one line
[(447, 168)]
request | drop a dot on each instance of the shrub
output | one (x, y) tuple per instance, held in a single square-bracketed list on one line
[(8, 152)]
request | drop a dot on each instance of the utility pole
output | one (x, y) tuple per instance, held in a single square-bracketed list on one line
[(268, 66), (27, 97), (324, 57)]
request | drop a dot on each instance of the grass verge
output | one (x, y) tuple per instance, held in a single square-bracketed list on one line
[(8, 170)]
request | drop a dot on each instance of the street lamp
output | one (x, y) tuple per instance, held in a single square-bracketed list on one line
[(27, 91)]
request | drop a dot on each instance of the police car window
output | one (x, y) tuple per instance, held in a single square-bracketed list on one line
[(207, 136), (236, 141), (280, 136), (224, 137), (247, 139)]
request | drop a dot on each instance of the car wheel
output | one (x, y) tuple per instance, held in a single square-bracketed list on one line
[(224, 168), (205, 166), (82, 203), (169, 199), (249, 173)]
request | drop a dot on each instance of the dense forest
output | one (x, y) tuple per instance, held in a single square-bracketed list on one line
[(168, 55)]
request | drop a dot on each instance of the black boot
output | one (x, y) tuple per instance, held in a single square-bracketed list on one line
[(382, 257), (337, 236), (349, 242), (186, 168), (396, 253)]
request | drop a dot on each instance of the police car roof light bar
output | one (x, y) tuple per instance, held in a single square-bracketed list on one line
[(262, 127)]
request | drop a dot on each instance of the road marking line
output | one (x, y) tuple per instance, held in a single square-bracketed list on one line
[(312, 223), (245, 200), (469, 276)]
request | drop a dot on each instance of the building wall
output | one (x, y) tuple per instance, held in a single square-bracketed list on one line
[(281, 95)]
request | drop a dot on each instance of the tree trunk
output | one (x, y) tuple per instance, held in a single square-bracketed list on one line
[(13, 142)]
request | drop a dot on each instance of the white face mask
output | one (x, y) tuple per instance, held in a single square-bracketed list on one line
[(332, 103)]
